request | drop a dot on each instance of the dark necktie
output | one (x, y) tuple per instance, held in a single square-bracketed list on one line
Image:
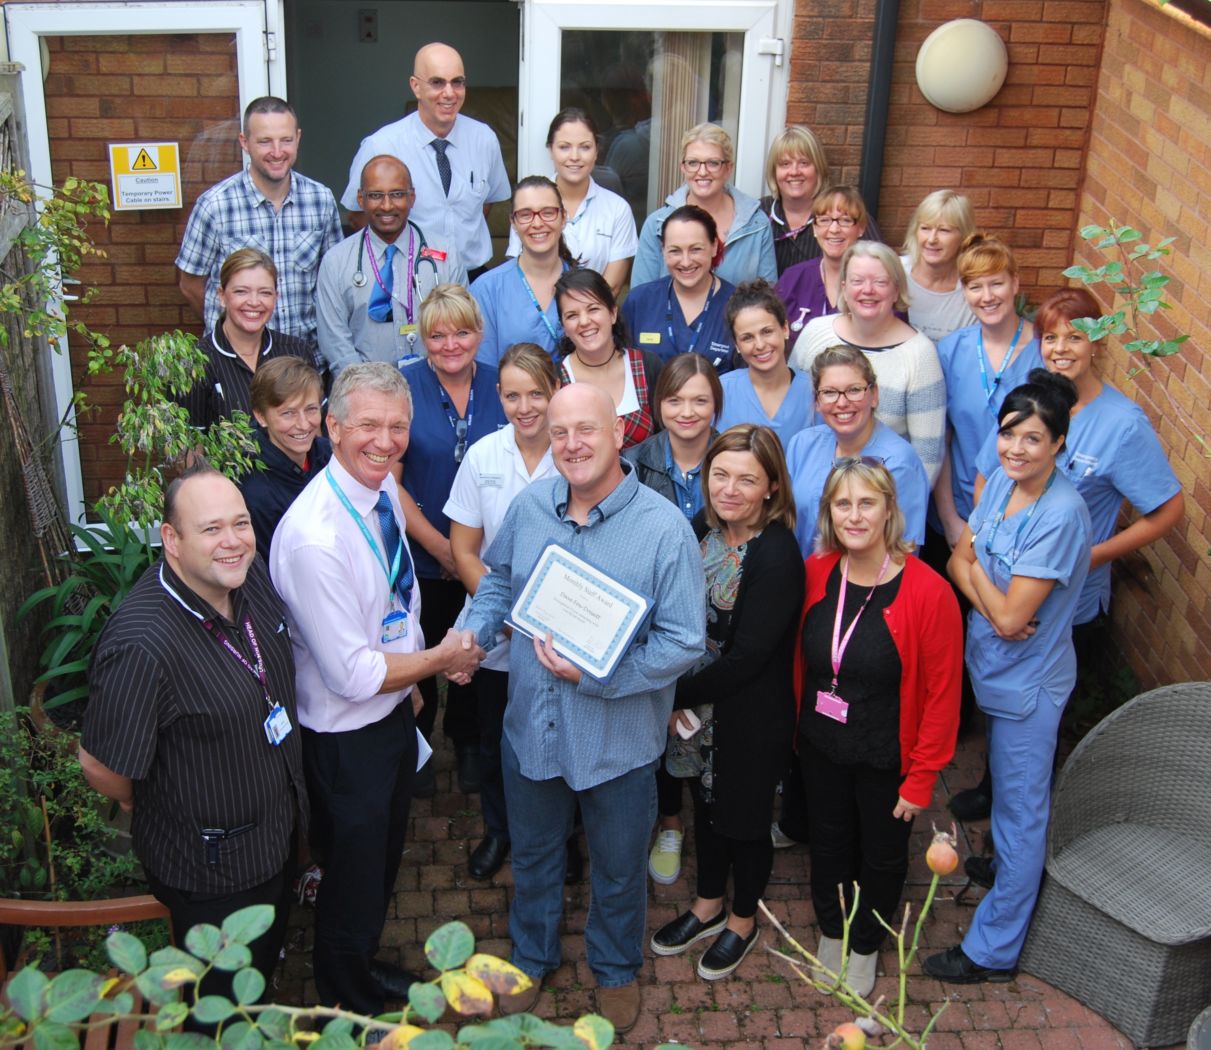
[(379, 307), (392, 543), (443, 162)]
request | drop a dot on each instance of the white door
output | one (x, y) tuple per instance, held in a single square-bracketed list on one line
[(255, 25), (649, 70)]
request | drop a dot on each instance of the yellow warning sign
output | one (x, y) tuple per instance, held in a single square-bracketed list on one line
[(145, 175)]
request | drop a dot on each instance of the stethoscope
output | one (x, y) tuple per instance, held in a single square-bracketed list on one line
[(422, 256)]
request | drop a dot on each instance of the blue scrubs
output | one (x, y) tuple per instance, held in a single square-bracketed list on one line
[(1111, 454), (742, 405), (429, 466), (511, 315), (1022, 688), (652, 309), (810, 455), (973, 399)]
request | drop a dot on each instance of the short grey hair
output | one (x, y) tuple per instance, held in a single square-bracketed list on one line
[(379, 376), (881, 253)]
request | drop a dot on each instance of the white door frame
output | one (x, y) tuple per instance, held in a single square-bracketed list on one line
[(762, 90), (26, 24)]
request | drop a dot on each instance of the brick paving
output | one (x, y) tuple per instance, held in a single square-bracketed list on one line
[(763, 1005)]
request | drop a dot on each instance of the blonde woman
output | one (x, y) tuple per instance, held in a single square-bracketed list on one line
[(936, 232)]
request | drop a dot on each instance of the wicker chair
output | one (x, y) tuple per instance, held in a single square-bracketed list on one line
[(1123, 922)]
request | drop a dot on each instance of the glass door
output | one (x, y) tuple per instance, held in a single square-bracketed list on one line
[(648, 72)]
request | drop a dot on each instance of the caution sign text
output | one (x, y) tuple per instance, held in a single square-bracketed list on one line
[(145, 175)]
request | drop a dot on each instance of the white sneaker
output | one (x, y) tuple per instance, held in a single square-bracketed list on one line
[(829, 953), (861, 975), (664, 862), (780, 838)]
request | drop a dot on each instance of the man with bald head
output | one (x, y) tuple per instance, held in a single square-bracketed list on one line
[(371, 284), (456, 163), (191, 720), (570, 738)]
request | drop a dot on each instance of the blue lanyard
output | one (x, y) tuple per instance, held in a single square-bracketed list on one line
[(461, 427), (393, 572), (534, 299), (706, 308), (989, 391), (1029, 513), (378, 277)]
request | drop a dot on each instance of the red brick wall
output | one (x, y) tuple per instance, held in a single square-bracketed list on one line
[(103, 89), (1018, 159), (1149, 166)]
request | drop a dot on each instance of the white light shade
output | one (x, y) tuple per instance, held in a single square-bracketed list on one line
[(961, 65)]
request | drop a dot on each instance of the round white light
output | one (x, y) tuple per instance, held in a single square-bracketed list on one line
[(961, 65)]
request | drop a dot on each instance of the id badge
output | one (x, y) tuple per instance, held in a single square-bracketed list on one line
[(395, 626), (832, 706), (277, 725), (408, 330), (649, 338)]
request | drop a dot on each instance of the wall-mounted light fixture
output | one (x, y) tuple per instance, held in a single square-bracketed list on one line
[(961, 65)]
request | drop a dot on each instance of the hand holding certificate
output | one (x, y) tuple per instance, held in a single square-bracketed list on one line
[(591, 618)]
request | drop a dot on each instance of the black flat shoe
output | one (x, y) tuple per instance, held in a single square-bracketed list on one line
[(393, 981), (956, 967), (574, 872), (728, 952), (470, 777), (674, 937), (973, 804), (487, 858)]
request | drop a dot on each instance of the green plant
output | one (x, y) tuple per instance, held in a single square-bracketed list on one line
[(54, 1010)]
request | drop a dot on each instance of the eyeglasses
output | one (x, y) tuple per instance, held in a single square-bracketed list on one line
[(460, 440), (525, 216), (844, 222), (879, 284), (829, 396), (440, 83), (712, 165), (395, 196), (854, 461)]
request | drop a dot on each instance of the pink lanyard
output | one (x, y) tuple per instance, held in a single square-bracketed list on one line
[(840, 644)]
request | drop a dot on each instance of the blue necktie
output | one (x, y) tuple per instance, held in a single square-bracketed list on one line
[(443, 162), (391, 541), (379, 307)]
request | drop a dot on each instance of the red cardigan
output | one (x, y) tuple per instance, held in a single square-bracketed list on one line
[(927, 630)]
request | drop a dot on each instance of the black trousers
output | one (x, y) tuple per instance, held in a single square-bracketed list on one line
[(441, 602), (187, 910), (668, 791), (360, 784), (492, 696), (750, 861), (854, 838)]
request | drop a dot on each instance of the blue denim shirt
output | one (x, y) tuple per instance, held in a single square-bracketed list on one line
[(595, 731)]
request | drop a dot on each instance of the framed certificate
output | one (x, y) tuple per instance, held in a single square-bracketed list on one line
[(591, 618)]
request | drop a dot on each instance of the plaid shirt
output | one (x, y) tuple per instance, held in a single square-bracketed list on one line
[(235, 214)]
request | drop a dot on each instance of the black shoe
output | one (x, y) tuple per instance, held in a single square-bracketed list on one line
[(973, 804), (469, 775), (574, 871), (954, 966), (728, 952), (674, 937), (393, 981), (424, 784), (981, 871), (488, 856)]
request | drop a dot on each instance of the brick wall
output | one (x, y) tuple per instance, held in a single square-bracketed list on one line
[(1018, 158), (1149, 166), (103, 89)]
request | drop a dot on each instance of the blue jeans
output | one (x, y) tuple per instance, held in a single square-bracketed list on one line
[(618, 817)]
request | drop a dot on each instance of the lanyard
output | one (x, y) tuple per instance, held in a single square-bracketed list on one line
[(989, 390), (378, 277), (546, 321), (788, 233), (393, 571), (1000, 516), (706, 308), (257, 670), (841, 644)]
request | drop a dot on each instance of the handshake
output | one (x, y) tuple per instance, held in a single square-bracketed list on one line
[(461, 655)]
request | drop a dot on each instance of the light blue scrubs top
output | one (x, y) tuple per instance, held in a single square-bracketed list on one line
[(972, 402), (742, 405), (510, 315), (1053, 543), (1111, 454), (651, 309), (810, 455)]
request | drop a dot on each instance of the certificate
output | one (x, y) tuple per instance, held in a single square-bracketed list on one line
[(591, 618)]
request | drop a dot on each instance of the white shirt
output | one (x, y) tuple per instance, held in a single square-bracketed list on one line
[(601, 232), (477, 177), (335, 590), (630, 399), (936, 314), (491, 475)]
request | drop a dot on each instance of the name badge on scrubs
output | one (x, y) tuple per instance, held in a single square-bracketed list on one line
[(408, 330), (395, 626), (649, 338), (277, 725), (832, 706)]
